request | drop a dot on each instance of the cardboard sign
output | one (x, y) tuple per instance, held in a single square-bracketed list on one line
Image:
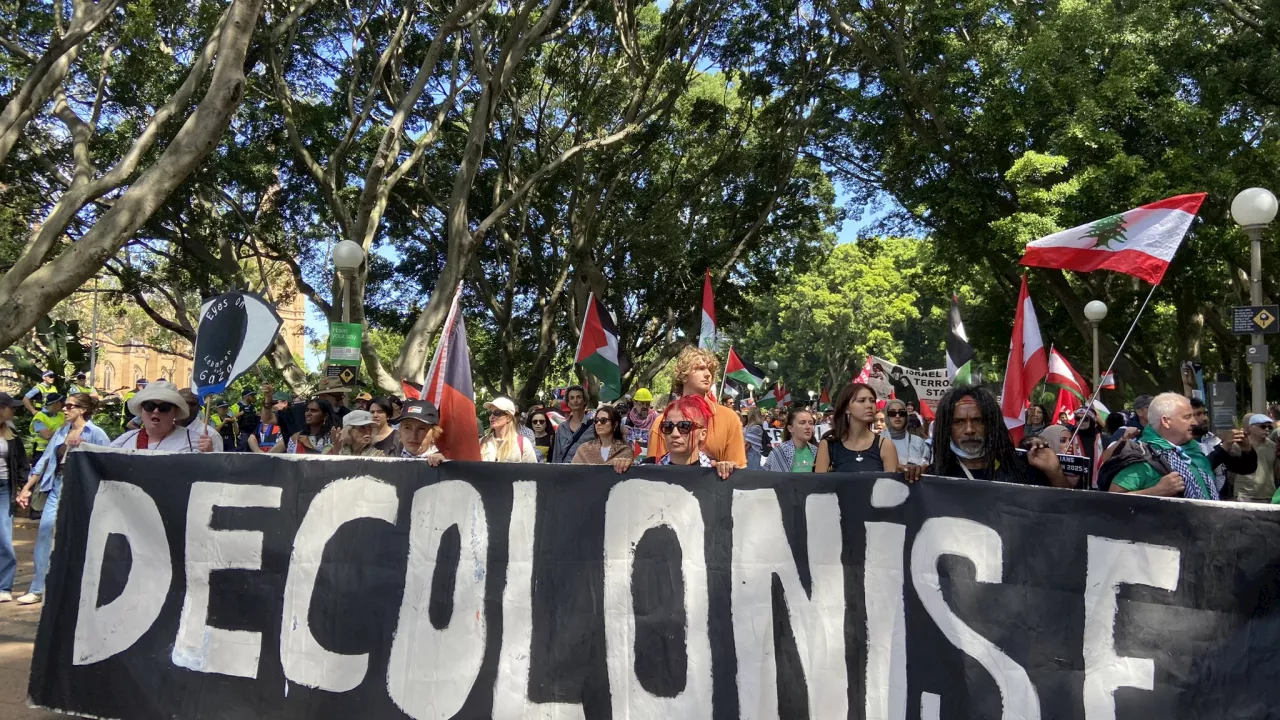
[(235, 330), (908, 384), (237, 585)]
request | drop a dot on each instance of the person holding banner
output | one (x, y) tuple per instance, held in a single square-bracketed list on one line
[(418, 428), (853, 444), (912, 449), (317, 437), (683, 426), (160, 407), (798, 451), (48, 474), (575, 430), (385, 437), (1165, 460), (355, 437), (695, 375), (970, 440), (504, 443)]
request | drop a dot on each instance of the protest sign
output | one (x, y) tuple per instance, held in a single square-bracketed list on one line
[(907, 384), (235, 330), (233, 585)]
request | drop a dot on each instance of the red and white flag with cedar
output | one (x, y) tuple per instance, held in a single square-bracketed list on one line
[(1026, 366), (707, 336), (1062, 374), (449, 388), (1140, 242)]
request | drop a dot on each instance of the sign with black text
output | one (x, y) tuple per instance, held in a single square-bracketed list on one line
[(236, 585), (235, 330)]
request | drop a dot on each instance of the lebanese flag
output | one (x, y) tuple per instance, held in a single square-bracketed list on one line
[(865, 376), (707, 338), (1027, 364), (449, 388), (1140, 242), (1061, 373), (598, 349), (1108, 381)]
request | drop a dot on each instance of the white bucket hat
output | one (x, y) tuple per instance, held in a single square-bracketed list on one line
[(159, 391)]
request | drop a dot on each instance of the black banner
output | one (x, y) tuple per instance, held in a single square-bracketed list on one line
[(233, 586)]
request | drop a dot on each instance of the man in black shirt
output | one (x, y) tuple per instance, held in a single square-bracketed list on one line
[(970, 440)]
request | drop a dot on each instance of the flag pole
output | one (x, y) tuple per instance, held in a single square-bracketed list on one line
[(1093, 396)]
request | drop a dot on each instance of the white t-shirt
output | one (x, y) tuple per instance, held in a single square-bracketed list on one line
[(604, 453), (4, 459), (181, 440)]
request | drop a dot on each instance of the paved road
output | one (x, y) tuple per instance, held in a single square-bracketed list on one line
[(17, 633)]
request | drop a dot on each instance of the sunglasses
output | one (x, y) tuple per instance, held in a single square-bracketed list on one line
[(69, 406), (539, 422), (164, 407), (684, 426), (601, 420), (497, 414), (1265, 426), (897, 413)]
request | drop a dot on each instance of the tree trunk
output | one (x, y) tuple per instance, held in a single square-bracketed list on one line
[(38, 293)]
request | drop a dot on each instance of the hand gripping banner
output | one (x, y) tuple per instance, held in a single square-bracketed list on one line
[(233, 586)]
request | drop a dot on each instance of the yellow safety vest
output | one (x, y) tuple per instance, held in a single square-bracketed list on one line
[(52, 423), (45, 391), (73, 389)]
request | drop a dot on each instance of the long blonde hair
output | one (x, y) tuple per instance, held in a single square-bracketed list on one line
[(506, 447)]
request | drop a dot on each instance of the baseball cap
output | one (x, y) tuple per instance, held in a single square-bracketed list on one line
[(81, 375), (8, 400), (280, 397), (53, 398), (421, 410), (1142, 402), (501, 404), (141, 381), (357, 418), (1259, 419), (223, 404)]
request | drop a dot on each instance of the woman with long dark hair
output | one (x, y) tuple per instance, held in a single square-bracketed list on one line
[(853, 445), (608, 447), (318, 435), (544, 436)]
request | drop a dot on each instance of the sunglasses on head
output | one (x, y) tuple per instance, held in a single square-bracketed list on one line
[(684, 426), (897, 413), (153, 406)]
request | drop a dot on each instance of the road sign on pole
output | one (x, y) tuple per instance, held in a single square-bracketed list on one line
[(1259, 319)]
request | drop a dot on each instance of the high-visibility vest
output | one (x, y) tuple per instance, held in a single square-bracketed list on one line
[(45, 391), (74, 389), (51, 422)]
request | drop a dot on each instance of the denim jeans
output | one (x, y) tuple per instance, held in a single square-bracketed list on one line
[(44, 537), (8, 560), (754, 461)]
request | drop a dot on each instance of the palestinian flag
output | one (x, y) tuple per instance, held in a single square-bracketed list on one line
[(1062, 374), (412, 390), (598, 349), (744, 372), (707, 337), (824, 402), (959, 353), (774, 397), (1139, 242)]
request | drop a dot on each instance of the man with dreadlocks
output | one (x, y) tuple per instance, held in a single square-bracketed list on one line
[(970, 441)]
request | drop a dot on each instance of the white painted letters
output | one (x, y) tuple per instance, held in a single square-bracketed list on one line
[(431, 672), (633, 508), (1113, 563), (121, 509), (760, 551), (983, 547), (886, 692), (198, 646), (305, 661)]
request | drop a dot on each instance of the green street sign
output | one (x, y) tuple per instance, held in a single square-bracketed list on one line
[(344, 343)]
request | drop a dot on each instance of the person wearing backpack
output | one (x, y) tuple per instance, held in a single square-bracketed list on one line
[(1165, 460)]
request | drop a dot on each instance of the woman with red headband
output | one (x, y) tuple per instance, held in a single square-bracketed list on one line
[(684, 429)]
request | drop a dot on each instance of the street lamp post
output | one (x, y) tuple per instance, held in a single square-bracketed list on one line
[(1095, 312), (773, 365), (1254, 209), (347, 256)]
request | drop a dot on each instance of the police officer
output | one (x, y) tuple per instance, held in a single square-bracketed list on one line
[(81, 385), (46, 422), (37, 395)]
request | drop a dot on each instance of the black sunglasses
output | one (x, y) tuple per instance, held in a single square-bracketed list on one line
[(73, 405), (164, 407), (685, 426), (603, 419), (897, 413)]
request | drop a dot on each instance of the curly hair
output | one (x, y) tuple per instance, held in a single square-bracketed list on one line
[(689, 359), (1000, 450)]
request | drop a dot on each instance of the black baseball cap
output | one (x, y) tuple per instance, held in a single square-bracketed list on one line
[(7, 400), (422, 410)]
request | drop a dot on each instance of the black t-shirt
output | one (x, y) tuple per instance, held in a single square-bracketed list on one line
[(1031, 476)]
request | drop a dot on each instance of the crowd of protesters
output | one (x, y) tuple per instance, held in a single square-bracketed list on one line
[(1164, 447)]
